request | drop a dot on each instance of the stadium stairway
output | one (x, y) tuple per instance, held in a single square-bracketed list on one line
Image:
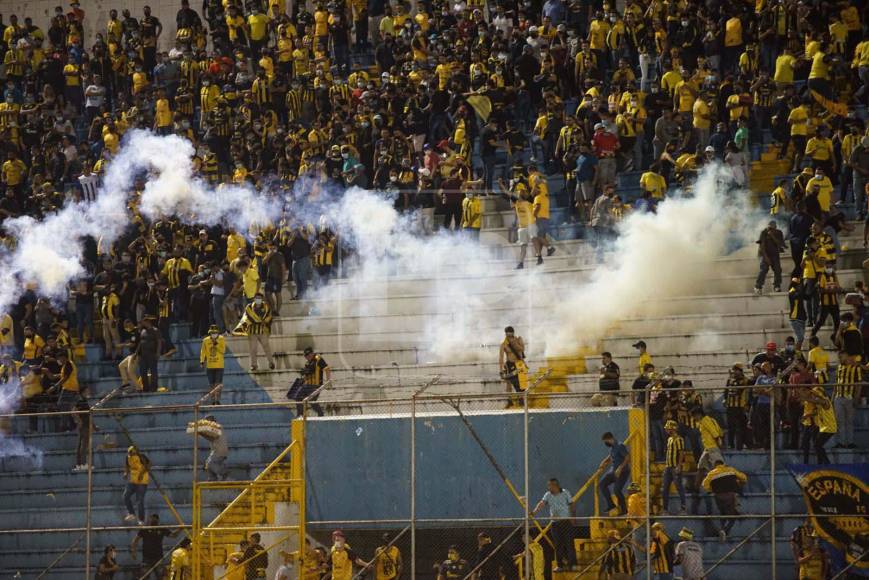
[(373, 336)]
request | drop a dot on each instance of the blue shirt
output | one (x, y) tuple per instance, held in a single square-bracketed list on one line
[(559, 503), (585, 165), (618, 452), (555, 10), (764, 380)]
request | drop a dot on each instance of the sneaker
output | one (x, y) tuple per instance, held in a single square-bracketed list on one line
[(539, 260), (271, 366), (722, 536), (758, 291), (777, 289), (253, 369), (851, 446), (141, 523), (520, 265), (550, 251), (130, 518)]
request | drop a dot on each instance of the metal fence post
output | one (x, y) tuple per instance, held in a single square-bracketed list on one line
[(527, 506), (647, 423), (413, 487), (772, 480), (88, 525)]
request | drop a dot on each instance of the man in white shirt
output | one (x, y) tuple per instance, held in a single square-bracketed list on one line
[(285, 572), (689, 555)]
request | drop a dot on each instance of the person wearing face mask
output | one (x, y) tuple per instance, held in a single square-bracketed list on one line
[(829, 290), (259, 318), (211, 357), (617, 464), (453, 567), (108, 565), (342, 558), (472, 210)]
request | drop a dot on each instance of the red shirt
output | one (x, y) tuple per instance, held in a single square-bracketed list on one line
[(605, 144)]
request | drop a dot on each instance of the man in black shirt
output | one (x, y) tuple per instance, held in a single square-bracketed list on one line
[(608, 382), (257, 559), (488, 145), (152, 547), (149, 353)]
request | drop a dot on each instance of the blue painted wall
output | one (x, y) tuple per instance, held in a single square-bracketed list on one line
[(359, 468)]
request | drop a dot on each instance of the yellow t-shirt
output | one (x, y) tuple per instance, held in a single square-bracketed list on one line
[(799, 121), (670, 80), (541, 202), (710, 431), (524, 213), (233, 25), (702, 118), (162, 113), (140, 81), (250, 281), (819, 149), (819, 70), (733, 32), (13, 171), (685, 95), (654, 183), (736, 112), (71, 74), (784, 69), (259, 26), (645, 359), (137, 470), (321, 23), (819, 359), (825, 192), (597, 32)]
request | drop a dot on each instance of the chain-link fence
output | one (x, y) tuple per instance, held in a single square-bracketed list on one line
[(423, 481)]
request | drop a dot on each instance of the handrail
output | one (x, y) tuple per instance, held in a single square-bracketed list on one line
[(277, 460), (163, 557), (607, 551), (493, 552), (243, 562), (151, 475), (756, 531), (207, 395), (57, 560)]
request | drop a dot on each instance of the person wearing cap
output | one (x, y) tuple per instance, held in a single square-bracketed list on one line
[(688, 555), (770, 245), (636, 502), (736, 399), (314, 375), (136, 468), (342, 558), (763, 391), (662, 550), (259, 317), (211, 357), (619, 561), (179, 564), (725, 482), (285, 572), (561, 509), (387, 560), (645, 357), (770, 354), (673, 460)]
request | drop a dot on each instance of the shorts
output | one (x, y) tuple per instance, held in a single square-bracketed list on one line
[(585, 189), (542, 227), (708, 458), (525, 235), (274, 286)]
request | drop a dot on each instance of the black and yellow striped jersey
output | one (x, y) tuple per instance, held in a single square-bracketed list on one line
[(846, 377), (619, 560), (675, 447), (735, 397)]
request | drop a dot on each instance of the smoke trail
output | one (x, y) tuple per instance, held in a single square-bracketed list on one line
[(14, 454), (49, 252)]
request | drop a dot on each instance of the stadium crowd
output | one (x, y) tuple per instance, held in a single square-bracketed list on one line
[(437, 103)]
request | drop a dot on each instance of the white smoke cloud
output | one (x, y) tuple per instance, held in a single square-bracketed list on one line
[(49, 252), (12, 449), (656, 257)]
